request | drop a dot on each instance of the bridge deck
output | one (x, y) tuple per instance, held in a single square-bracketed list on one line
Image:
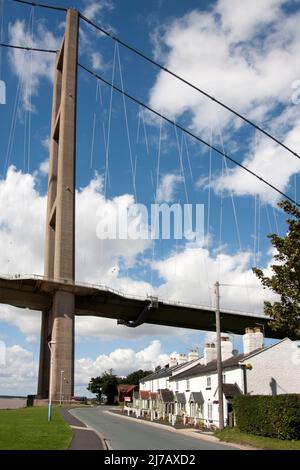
[(36, 293)]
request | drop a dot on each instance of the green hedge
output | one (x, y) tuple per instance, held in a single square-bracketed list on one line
[(271, 416)]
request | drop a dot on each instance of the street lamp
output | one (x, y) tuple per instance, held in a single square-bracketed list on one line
[(50, 344), (61, 384)]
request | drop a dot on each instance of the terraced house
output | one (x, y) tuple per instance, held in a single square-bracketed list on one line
[(186, 389)]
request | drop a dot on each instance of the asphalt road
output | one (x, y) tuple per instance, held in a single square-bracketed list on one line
[(124, 434)]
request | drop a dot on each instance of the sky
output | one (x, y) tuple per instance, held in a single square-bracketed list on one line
[(243, 53)]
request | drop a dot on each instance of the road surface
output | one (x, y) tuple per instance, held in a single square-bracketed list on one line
[(126, 434)]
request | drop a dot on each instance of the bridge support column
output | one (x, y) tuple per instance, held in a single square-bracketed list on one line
[(63, 347), (44, 364), (58, 325)]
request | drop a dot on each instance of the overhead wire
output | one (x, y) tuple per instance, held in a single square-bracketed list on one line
[(127, 124), (255, 230), (27, 48), (237, 227), (188, 156), (22, 85), (109, 124), (186, 82), (41, 5), (30, 94), (168, 71), (156, 196), (145, 131), (191, 134)]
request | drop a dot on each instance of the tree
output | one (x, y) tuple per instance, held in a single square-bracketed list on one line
[(109, 383), (135, 377), (285, 280), (95, 386), (106, 384)]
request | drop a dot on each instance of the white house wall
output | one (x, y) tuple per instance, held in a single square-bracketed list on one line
[(275, 371)]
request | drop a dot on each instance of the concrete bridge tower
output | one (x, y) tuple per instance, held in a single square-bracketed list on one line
[(58, 322)]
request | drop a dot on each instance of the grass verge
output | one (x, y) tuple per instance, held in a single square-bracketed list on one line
[(28, 429), (259, 442)]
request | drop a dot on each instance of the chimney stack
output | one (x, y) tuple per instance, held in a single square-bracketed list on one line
[(253, 339), (226, 347), (172, 361), (193, 355), (182, 359), (210, 353)]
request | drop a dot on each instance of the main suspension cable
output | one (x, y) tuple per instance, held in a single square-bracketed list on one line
[(170, 121), (41, 5), (191, 85)]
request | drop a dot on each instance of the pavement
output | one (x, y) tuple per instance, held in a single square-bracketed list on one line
[(84, 437), (125, 433)]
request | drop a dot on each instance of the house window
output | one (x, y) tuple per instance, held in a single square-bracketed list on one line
[(209, 411), (208, 382), (224, 378), (177, 386), (187, 385)]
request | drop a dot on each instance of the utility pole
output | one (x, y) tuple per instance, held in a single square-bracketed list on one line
[(219, 357)]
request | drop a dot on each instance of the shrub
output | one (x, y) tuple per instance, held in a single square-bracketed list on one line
[(271, 416)]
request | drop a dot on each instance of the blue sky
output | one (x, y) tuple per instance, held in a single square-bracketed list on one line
[(244, 54)]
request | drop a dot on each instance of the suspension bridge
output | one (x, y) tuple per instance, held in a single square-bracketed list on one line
[(57, 294)]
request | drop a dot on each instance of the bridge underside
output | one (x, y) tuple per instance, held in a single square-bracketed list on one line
[(37, 294)]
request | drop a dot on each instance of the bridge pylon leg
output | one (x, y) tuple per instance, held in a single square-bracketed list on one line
[(58, 324)]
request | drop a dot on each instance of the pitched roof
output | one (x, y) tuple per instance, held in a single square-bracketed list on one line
[(211, 366), (196, 397), (144, 394), (166, 371), (125, 388), (231, 390), (147, 395), (180, 397), (167, 396)]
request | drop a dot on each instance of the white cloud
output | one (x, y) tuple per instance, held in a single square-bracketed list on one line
[(167, 187), (19, 374), (31, 67), (243, 19), (267, 160), (46, 142), (122, 361), (188, 275), (244, 45), (27, 321), (22, 220), (44, 167), (97, 61), (94, 10)]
